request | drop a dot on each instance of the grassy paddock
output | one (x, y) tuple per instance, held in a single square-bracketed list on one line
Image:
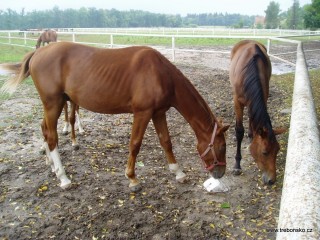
[(286, 82), (105, 39), (9, 53)]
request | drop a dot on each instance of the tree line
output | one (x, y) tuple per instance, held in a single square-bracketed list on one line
[(295, 17)]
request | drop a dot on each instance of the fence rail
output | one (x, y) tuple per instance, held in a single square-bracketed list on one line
[(111, 38)]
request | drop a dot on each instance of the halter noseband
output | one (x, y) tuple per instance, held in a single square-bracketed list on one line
[(210, 147)]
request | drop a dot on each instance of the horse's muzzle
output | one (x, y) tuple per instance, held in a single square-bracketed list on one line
[(218, 172), (267, 180)]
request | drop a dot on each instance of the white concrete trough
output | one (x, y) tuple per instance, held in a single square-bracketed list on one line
[(299, 216)]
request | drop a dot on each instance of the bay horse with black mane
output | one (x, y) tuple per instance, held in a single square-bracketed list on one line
[(137, 80), (250, 73), (46, 37)]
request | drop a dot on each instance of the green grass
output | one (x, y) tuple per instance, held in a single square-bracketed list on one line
[(286, 81), (12, 53)]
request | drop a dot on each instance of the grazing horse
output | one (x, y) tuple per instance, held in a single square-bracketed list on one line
[(250, 73), (137, 80), (47, 37)]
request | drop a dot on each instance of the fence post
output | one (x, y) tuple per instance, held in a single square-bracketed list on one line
[(299, 216), (9, 37), (25, 38), (111, 40), (73, 37), (173, 48), (269, 45)]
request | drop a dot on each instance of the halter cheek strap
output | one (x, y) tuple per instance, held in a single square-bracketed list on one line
[(210, 147)]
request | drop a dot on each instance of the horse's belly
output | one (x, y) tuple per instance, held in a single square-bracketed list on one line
[(105, 106)]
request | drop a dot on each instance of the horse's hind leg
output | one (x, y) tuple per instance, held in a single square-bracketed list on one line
[(239, 135), (49, 128), (75, 145), (160, 124), (79, 123), (66, 127), (139, 126)]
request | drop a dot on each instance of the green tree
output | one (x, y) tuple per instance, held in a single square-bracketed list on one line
[(272, 15), (312, 15), (294, 16)]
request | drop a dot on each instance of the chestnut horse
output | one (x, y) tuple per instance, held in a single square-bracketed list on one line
[(46, 37), (250, 73), (137, 80)]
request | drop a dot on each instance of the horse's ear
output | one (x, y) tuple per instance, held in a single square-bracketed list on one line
[(224, 128), (278, 131)]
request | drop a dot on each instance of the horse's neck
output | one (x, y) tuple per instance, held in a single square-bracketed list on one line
[(194, 109)]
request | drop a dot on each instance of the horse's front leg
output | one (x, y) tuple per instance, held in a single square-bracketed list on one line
[(140, 123), (160, 124), (239, 136)]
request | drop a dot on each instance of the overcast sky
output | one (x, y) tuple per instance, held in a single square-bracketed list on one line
[(182, 7)]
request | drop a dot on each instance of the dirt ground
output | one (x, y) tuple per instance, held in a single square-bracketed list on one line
[(99, 204)]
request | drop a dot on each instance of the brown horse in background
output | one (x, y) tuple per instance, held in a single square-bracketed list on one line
[(250, 73), (46, 37), (137, 80)]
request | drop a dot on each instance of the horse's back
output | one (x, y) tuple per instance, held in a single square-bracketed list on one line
[(241, 55), (49, 36), (123, 79)]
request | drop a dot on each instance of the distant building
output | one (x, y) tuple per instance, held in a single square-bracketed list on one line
[(259, 21)]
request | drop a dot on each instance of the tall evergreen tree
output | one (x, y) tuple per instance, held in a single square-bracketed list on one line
[(272, 15)]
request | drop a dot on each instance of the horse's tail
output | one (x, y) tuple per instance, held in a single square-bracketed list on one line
[(20, 71), (253, 90)]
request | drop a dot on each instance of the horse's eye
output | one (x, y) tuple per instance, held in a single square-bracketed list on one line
[(264, 153)]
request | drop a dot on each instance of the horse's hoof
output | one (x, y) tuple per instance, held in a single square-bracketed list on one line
[(76, 147), (65, 184), (236, 171), (181, 177), (135, 188), (81, 132), (65, 133)]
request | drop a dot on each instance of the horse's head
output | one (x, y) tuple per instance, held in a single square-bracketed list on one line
[(213, 151), (264, 149)]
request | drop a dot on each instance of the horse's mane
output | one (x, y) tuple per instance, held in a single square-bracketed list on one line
[(204, 105), (257, 108), (191, 88)]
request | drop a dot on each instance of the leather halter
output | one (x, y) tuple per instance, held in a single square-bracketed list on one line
[(210, 147)]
